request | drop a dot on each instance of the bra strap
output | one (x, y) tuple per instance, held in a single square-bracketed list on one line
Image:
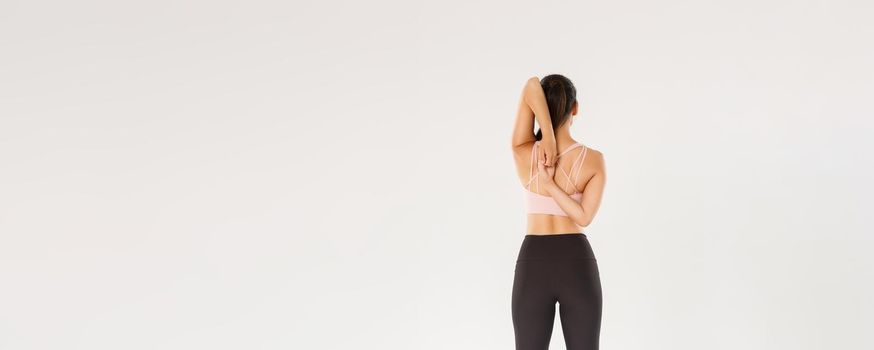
[(582, 157), (531, 172), (532, 175), (568, 149)]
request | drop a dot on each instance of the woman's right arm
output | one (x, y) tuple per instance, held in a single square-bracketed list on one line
[(532, 105)]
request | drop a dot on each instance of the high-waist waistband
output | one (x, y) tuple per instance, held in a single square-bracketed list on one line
[(555, 235), (556, 247)]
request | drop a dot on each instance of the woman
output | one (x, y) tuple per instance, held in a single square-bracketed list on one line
[(556, 264)]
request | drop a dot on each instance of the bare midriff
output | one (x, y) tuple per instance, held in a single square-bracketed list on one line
[(545, 224)]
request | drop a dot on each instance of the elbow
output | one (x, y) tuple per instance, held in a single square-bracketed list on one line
[(534, 81), (583, 221)]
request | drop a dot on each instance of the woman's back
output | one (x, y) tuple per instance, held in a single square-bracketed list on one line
[(576, 164)]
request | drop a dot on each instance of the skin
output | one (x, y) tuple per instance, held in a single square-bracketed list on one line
[(590, 182)]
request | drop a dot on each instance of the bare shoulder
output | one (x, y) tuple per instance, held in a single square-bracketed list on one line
[(596, 158), (595, 153)]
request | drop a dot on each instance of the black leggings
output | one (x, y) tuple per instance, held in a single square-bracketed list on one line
[(556, 268)]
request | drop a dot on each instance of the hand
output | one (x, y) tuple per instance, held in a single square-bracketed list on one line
[(547, 151), (545, 174)]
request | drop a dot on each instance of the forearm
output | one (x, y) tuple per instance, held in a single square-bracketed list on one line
[(536, 100), (571, 207)]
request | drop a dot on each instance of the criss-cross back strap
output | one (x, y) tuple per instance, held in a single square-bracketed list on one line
[(573, 166), (533, 175), (575, 145), (568, 149), (579, 169)]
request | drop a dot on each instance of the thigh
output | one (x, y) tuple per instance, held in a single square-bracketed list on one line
[(579, 298), (533, 305)]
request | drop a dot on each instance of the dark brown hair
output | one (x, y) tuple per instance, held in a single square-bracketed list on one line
[(560, 97)]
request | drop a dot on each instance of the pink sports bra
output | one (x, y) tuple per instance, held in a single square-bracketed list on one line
[(536, 203)]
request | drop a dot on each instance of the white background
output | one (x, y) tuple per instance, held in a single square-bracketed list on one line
[(336, 175)]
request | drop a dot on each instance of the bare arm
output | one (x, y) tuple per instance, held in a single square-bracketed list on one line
[(582, 213), (532, 105)]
